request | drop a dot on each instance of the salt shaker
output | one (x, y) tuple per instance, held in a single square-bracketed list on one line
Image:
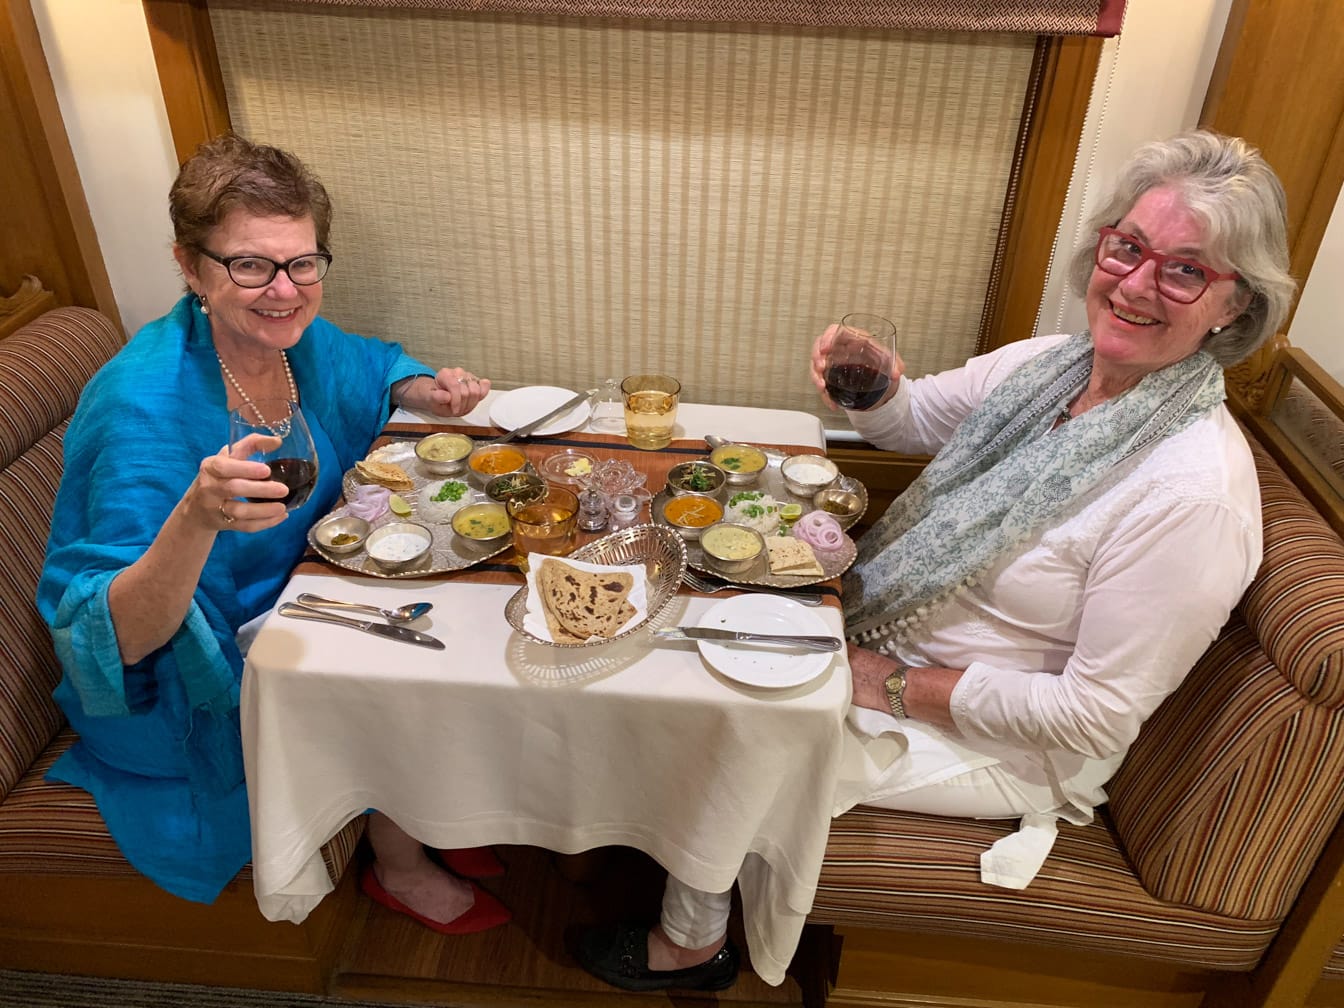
[(592, 511), (624, 510)]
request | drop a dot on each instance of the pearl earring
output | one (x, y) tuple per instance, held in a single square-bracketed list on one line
[(205, 308), (1216, 330)]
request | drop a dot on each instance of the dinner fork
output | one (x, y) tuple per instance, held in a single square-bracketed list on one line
[(704, 584)]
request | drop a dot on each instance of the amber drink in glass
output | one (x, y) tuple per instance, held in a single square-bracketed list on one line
[(650, 409), (545, 523)]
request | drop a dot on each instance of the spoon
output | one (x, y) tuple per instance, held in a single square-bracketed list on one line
[(402, 614)]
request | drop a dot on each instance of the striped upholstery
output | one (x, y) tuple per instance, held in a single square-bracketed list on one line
[(52, 828), (1216, 816), (48, 827), (43, 367)]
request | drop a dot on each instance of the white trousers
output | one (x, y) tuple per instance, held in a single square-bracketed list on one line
[(925, 772)]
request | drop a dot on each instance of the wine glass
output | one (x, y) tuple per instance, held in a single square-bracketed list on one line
[(294, 461), (858, 367)]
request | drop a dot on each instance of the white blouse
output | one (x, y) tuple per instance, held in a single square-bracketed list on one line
[(1071, 641)]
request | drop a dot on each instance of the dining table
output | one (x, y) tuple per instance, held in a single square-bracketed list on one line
[(499, 739)]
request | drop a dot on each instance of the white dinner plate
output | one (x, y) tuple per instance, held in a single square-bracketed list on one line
[(521, 406), (758, 664)]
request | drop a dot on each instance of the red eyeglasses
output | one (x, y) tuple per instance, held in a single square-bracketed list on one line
[(1181, 280)]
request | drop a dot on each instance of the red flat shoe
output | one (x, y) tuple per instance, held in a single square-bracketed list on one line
[(472, 862), (485, 911)]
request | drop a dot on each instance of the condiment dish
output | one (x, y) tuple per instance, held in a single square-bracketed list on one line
[(698, 476), (341, 533), (399, 545), (805, 475)]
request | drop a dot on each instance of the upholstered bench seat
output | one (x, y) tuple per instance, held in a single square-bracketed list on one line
[(69, 901), (1216, 819), (49, 827), (921, 873)]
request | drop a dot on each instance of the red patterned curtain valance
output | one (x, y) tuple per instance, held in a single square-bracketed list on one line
[(1037, 17)]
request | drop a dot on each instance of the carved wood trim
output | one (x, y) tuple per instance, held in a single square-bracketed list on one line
[(1052, 125), (24, 305), (193, 85)]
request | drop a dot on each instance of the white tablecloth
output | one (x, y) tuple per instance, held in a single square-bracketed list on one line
[(498, 740)]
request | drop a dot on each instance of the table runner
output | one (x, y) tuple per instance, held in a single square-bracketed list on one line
[(501, 569)]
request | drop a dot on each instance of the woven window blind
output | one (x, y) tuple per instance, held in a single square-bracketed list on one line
[(1036, 17), (556, 201)]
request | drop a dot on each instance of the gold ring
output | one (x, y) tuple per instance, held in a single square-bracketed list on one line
[(228, 518)]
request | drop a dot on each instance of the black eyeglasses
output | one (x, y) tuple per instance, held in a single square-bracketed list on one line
[(1182, 280), (258, 271)]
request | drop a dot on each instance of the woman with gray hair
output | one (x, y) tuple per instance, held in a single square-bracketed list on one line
[(1089, 519)]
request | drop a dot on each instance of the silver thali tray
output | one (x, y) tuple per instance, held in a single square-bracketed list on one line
[(449, 552), (771, 481)]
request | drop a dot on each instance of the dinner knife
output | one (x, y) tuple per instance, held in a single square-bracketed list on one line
[(529, 427), (400, 633), (809, 643)]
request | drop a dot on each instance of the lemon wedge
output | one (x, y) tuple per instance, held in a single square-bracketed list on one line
[(790, 513), (399, 505)]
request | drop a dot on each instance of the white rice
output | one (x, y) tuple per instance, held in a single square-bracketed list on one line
[(441, 512), (754, 508)]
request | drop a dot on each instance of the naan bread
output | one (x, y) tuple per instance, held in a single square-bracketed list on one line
[(583, 604), (386, 474)]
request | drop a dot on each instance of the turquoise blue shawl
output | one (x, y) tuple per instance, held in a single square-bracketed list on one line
[(143, 425)]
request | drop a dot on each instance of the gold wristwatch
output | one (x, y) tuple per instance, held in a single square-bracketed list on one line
[(895, 684)]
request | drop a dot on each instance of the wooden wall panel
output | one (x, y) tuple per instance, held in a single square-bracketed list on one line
[(45, 227), (1279, 82)]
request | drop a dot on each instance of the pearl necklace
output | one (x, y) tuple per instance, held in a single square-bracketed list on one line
[(289, 377)]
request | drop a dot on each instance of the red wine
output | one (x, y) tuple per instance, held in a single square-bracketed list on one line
[(856, 386), (299, 475)]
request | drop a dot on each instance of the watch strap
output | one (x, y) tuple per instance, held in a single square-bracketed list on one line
[(895, 686)]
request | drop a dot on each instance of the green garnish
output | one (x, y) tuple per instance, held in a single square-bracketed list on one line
[(745, 495), (733, 463), (450, 491), (700, 479)]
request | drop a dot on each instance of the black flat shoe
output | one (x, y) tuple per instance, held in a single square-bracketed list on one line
[(619, 954)]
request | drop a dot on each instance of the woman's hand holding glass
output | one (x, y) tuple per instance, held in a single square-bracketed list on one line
[(231, 474), (855, 364)]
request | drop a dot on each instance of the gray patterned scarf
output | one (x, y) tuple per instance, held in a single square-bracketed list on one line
[(999, 478)]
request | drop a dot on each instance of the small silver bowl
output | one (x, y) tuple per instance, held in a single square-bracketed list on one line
[(489, 460), (341, 533), (691, 531), (699, 476), (718, 543), (399, 545), (445, 453), (742, 464), (807, 475), (845, 505), (475, 520), (515, 484)]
